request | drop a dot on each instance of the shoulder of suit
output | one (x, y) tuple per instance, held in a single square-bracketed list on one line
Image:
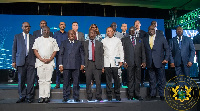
[(20, 34)]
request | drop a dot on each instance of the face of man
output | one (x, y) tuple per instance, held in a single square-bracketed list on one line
[(75, 27), (114, 26), (92, 34), (26, 27), (137, 25), (45, 31), (151, 30), (110, 32), (124, 27), (154, 23), (179, 31), (43, 23), (62, 25), (71, 35), (132, 31)]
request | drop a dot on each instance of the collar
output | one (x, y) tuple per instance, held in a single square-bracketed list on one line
[(63, 32), (24, 34), (71, 41), (179, 38)]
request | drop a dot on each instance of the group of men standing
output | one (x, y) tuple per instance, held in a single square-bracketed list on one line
[(74, 55)]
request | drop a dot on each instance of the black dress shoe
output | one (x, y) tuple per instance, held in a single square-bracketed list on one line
[(162, 98), (109, 98), (41, 100), (65, 99), (29, 100), (130, 98), (118, 98), (76, 100), (99, 99), (21, 100), (57, 86), (89, 98), (139, 98), (46, 100)]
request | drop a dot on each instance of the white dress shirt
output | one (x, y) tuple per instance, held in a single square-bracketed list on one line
[(112, 48), (27, 46), (45, 48)]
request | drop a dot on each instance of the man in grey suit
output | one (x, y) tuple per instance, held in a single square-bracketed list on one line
[(38, 33), (71, 61), (181, 53), (79, 35), (23, 59), (94, 64), (134, 60)]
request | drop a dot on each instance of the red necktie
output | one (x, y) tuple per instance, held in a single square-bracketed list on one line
[(93, 48), (75, 38), (133, 41)]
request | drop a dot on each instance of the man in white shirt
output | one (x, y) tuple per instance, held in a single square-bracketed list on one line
[(45, 49), (113, 59)]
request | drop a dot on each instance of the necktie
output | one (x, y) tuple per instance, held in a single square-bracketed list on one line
[(123, 34), (71, 43), (26, 44), (151, 42), (180, 42), (133, 40), (93, 48)]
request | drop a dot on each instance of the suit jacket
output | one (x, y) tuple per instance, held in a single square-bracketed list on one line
[(19, 50), (187, 51), (37, 33), (99, 58), (142, 34), (81, 36), (134, 55), (71, 57), (158, 53), (160, 32)]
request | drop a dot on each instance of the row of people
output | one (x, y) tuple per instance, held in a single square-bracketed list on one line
[(151, 51)]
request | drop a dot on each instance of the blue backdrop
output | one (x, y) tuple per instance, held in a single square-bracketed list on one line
[(11, 25)]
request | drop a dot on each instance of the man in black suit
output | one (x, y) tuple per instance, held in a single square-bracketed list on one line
[(134, 59), (157, 56), (94, 60), (78, 35), (124, 28), (23, 59), (71, 60), (38, 33), (154, 23)]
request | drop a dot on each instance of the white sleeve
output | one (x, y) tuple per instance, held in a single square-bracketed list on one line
[(121, 51), (56, 48), (35, 45)]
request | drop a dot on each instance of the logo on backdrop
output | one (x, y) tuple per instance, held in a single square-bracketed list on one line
[(181, 93)]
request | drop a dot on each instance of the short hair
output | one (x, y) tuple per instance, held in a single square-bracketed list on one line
[(109, 27), (136, 21), (179, 27), (43, 20), (74, 22)]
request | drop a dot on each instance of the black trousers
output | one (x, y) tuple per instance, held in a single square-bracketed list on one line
[(112, 72), (90, 72), (67, 74), (134, 78), (26, 75)]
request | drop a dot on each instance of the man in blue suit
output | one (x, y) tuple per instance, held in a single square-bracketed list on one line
[(181, 53), (23, 59), (157, 55), (71, 60)]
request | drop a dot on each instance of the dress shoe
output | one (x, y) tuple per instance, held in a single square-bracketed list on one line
[(65, 99), (109, 98), (41, 100), (118, 98), (46, 100), (76, 100), (21, 100), (36, 86), (162, 98), (130, 97), (29, 100), (99, 99), (57, 86), (139, 98), (89, 98)]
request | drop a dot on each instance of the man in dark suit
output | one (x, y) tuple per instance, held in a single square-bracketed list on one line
[(181, 53), (134, 59), (71, 60), (78, 35), (94, 64), (124, 28), (38, 33), (157, 55), (60, 36), (154, 23), (23, 59)]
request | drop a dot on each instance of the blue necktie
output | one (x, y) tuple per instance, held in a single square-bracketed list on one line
[(26, 44)]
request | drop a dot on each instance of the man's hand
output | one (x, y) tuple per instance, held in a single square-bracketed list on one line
[(102, 70), (172, 65), (14, 65), (143, 65), (82, 67), (164, 61), (46, 61), (189, 64), (61, 68), (125, 65), (120, 64)]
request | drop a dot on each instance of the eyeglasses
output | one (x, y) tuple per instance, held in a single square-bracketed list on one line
[(93, 27), (27, 26)]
